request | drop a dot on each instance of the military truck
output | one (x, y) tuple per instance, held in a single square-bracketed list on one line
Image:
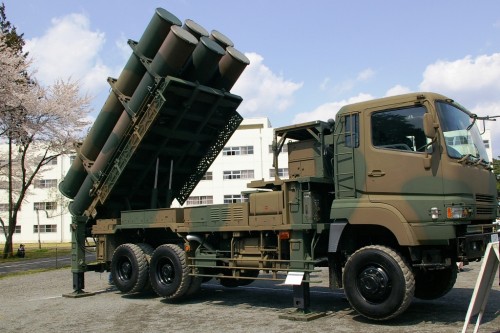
[(387, 197)]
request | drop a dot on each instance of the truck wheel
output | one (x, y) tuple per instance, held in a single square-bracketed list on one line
[(432, 284), (148, 251), (169, 272), (378, 282), (129, 268)]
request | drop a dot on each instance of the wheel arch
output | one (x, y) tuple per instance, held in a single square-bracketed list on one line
[(375, 215)]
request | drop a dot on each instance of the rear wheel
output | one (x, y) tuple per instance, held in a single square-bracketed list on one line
[(148, 252), (129, 268), (432, 284), (378, 282), (169, 272)]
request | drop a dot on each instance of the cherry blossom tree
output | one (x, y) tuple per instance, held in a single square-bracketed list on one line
[(37, 123)]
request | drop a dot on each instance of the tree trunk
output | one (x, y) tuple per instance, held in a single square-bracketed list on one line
[(8, 250)]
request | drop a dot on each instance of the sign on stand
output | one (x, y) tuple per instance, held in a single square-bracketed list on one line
[(483, 285)]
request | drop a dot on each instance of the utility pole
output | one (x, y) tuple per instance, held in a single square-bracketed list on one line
[(38, 222)]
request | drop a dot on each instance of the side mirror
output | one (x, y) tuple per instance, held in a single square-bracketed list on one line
[(430, 132), (429, 126)]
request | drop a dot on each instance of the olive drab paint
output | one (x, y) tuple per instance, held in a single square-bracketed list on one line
[(388, 196), (123, 88), (191, 57)]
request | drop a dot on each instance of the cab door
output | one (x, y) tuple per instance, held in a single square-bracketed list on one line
[(395, 154)]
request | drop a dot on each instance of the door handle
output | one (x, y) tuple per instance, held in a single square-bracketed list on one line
[(376, 173)]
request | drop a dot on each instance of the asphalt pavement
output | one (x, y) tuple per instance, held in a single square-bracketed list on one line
[(35, 302), (26, 264)]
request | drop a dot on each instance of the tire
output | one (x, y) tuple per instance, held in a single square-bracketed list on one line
[(432, 284), (147, 249), (235, 282), (378, 282), (148, 252), (169, 272), (129, 268)]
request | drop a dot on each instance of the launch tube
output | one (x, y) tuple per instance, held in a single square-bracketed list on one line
[(221, 39), (203, 62), (230, 67), (127, 82), (171, 57), (195, 29)]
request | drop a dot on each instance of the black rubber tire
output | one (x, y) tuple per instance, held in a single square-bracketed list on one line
[(378, 282), (169, 272), (129, 268), (147, 249), (432, 284), (148, 252), (233, 283)]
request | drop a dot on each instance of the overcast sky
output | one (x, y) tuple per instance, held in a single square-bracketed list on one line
[(308, 58)]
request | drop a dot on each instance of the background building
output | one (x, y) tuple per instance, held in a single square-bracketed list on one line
[(44, 214), (247, 156)]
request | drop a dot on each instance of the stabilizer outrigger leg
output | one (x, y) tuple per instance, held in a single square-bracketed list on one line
[(78, 264), (302, 302)]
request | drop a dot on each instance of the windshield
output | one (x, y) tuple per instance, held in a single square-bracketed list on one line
[(461, 133)]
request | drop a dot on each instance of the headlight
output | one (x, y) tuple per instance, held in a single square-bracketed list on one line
[(458, 212)]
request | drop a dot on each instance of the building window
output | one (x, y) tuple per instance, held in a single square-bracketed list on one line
[(17, 230), (72, 158), (207, 176), (282, 172), (200, 200), (4, 207), (45, 228), (486, 143), (53, 161), (238, 174), (234, 198), (45, 205), (46, 183), (243, 150)]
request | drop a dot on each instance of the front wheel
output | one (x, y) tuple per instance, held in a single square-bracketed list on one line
[(378, 282)]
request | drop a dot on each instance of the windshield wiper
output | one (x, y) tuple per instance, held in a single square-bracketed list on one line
[(469, 159), (474, 118)]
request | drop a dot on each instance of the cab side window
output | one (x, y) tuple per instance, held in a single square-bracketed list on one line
[(351, 133), (399, 129)]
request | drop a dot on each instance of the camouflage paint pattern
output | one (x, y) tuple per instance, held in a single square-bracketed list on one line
[(396, 172), (123, 88)]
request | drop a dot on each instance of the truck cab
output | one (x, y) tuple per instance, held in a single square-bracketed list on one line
[(419, 168)]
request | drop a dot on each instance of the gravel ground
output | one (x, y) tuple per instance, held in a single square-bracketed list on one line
[(34, 302)]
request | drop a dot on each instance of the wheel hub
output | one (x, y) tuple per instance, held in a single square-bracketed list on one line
[(374, 284), (125, 270), (166, 273)]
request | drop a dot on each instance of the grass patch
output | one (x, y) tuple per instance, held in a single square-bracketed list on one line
[(32, 250)]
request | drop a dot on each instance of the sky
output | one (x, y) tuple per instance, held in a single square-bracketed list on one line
[(308, 58)]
